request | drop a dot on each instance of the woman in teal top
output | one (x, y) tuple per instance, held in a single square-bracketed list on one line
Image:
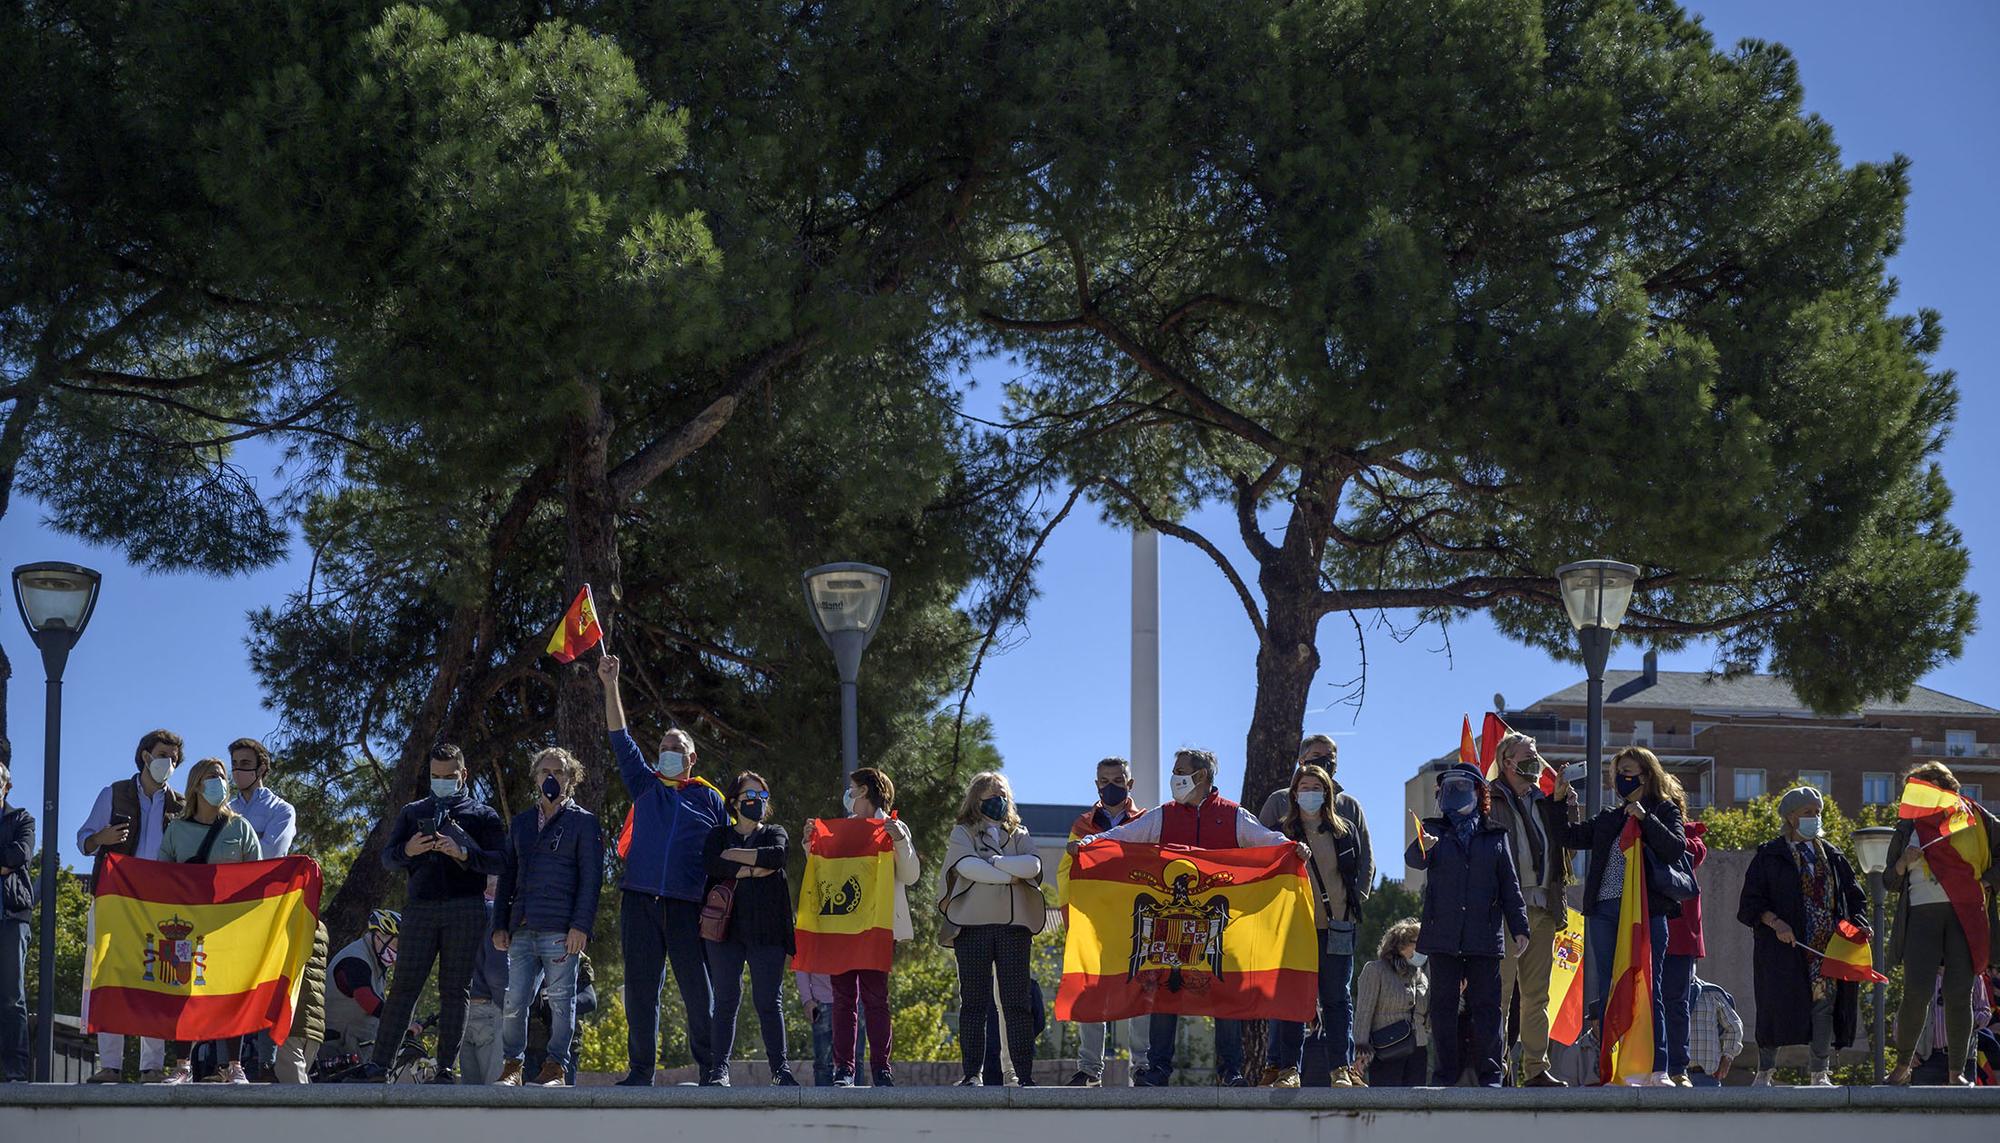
[(208, 832)]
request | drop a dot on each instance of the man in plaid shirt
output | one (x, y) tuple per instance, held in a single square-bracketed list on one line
[(1715, 1033)]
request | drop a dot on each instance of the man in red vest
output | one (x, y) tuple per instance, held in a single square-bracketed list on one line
[(1199, 817)]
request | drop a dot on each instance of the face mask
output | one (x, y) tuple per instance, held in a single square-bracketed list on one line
[(551, 788), (1113, 794), (671, 763), (214, 791), (1416, 959), (444, 789), (1628, 784), (1183, 787), (1809, 828), (160, 769), (751, 809), (245, 779), (995, 808), (1312, 801), (1457, 800), (847, 801), (387, 955)]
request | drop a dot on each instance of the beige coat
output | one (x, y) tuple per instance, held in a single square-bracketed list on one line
[(908, 869), (967, 902)]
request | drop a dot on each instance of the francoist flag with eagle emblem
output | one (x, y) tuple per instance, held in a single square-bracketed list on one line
[(847, 898)]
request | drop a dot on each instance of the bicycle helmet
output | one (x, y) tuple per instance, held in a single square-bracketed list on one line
[(385, 922)]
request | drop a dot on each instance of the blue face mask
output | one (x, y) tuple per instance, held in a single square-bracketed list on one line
[(1113, 794), (444, 789), (1627, 785), (995, 808), (214, 791)]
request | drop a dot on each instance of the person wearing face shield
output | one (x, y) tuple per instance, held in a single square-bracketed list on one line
[(1795, 891), (1473, 916), (130, 817), (659, 901), (992, 893), (1199, 817), (446, 845), (208, 832), (543, 909)]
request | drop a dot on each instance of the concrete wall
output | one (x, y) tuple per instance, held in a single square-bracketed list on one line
[(72, 1114)]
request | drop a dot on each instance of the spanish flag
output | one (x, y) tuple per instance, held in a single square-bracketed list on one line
[(847, 899), (1847, 956), (1953, 837), (1491, 731), (1468, 746), (198, 952), (1208, 932), (579, 630), (1626, 1049), (1566, 982)]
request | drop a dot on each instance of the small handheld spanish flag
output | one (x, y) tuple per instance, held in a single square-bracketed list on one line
[(1423, 839), (1847, 956), (579, 631)]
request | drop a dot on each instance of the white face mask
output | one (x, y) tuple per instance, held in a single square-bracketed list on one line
[(159, 770), (672, 763), (847, 801), (1312, 801), (1417, 959), (1183, 785)]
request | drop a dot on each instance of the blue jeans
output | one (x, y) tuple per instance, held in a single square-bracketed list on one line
[(652, 932), (822, 1043), (532, 958), (1162, 1027), (1287, 1040), (1600, 945), (1676, 983), (14, 1062)]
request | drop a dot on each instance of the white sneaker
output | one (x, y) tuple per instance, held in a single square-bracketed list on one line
[(1821, 1079), (183, 1073), (1765, 1079), (236, 1072)]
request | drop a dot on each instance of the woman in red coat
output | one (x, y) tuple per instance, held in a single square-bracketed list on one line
[(1684, 948)]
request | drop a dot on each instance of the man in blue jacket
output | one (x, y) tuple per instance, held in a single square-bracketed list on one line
[(543, 911), (659, 909), (447, 843)]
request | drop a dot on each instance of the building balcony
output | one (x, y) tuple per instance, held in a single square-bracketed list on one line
[(1955, 749), (1614, 740)]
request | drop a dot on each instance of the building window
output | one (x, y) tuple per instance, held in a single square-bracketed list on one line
[(1749, 785), (1877, 789), (1642, 733), (1818, 779), (1972, 792), (1960, 743)]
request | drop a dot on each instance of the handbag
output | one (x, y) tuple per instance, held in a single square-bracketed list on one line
[(1673, 880), (1393, 1041), (716, 905)]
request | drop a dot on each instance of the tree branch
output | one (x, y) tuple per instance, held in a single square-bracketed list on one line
[(645, 466)]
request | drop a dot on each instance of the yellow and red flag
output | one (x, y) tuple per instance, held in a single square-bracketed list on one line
[(1197, 932), (579, 630), (1566, 982), (1955, 847), (1491, 731), (847, 899), (1417, 824), (1468, 747), (1626, 1049), (199, 952), (1847, 956)]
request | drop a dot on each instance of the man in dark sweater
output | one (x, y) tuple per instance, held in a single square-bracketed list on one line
[(447, 844)]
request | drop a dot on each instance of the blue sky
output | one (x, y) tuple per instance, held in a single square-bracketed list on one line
[(170, 649)]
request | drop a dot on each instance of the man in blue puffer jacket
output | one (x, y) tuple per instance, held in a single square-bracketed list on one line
[(659, 913)]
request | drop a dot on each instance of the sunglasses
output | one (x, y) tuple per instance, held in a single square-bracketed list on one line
[(755, 795)]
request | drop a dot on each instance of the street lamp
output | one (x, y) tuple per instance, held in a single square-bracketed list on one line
[(55, 601), (846, 601), (1871, 845), (1596, 594)]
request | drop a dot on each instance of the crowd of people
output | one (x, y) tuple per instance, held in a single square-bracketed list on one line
[(502, 912)]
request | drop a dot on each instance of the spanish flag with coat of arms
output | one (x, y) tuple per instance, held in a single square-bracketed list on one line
[(1626, 1049), (847, 898), (199, 952), (1207, 932)]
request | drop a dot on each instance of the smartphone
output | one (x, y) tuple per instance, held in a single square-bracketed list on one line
[(120, 820)]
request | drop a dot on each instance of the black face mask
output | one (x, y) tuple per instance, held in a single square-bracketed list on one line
[(751, 809), (551, 789), (995, 808), (1113, 795)]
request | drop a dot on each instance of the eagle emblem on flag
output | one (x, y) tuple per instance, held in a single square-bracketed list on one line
[(1180, 936)]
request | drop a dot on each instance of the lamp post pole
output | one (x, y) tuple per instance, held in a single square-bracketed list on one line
[(1596, 644), (55, 647), (1881, 989)]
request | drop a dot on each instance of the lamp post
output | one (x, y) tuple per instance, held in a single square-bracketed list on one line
[(55, 601), (846, 601), (1871, 845), (1596, 594)]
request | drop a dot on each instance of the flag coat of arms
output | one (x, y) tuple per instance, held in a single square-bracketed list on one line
[(847, 898), (1210, 932), (579, 630), (1626, 1050), (1566, 982), (199, 952)]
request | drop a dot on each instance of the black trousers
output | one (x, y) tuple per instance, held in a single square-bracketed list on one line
[(1481, 977), (656, 931), (984, 952), (445, 933)]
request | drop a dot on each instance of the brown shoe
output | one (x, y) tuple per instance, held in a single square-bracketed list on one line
[(106, 1075), (510, 1075), (551, 1075), (1544, 1079)]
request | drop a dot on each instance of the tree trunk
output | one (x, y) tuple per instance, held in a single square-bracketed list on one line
[(1287, 661), (590, 555)]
